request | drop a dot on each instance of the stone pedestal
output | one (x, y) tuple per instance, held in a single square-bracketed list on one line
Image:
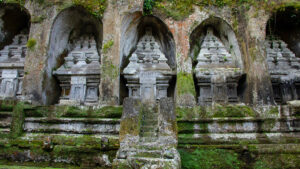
[(79, 76), (216, 72), (284, 70), (148, 135)]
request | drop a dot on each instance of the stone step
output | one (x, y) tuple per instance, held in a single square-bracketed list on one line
[(149, 129), (149, 154), (4, 124), (4, 130), (4, 114), (148, 162), (149, 122), (148, 139), (150, 115), (149, 134)]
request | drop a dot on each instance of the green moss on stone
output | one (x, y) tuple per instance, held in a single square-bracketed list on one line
[(274, 161), (17, 120), (88, 112), (95, 7), (209, 158), (233, 111), (185, 84)]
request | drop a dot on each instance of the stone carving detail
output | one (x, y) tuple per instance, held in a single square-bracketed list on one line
[(12, 59), (284, 70), (216, 72), (148, 73), (79, 76)]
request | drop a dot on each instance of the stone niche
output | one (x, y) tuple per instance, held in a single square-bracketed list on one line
[(284, 70), (12, 59), (14, 29), (217, 72), (79, 76), (148, 73)]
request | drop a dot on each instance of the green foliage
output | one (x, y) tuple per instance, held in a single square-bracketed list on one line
[(31, 44), (95, 7), (185, 84), (21, 2), (209, 158), (107, 46), (179, 9), (275, 161), (17, 120), (23, 167), (148, 6)]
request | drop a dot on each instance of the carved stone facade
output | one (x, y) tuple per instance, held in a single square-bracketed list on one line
[(79, 76), (12, 59), (148, 73), (216, 72), (284, 70)]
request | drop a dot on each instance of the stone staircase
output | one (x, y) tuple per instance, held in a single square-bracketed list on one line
[(5, 121), (149, 127)]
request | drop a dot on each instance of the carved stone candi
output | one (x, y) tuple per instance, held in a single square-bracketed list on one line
[(216, 72), (12, 59), (148, 73), (79, 76), (284, 70), (148, 130)]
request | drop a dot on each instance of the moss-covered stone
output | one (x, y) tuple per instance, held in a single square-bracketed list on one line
[(17, 120), (218, 111), (233, 111), (209, 158), (185, 84)]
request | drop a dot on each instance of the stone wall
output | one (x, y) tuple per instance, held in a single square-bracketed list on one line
[(118, 29)]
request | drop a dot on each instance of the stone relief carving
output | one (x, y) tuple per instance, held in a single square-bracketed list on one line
[(148, 73), (79, 76), (216, 72), (12, 59), (284, 70)]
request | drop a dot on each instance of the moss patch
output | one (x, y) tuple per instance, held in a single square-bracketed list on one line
[(209, 158), (185, 84), (217, 111), (272, 161), (104, 112), (31, 44), (95, 7), (233, 111), (17, 120)]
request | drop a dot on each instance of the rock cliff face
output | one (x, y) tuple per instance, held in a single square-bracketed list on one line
[(187, 73)]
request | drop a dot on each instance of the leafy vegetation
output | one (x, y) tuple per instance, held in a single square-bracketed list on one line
[(31, 44), (179, 9), (95, 7)]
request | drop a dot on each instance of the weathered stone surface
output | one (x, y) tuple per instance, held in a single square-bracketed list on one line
[(217, 72), (148, 73), (148, 136), (80, 74), (12, 59), (284, 70)]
